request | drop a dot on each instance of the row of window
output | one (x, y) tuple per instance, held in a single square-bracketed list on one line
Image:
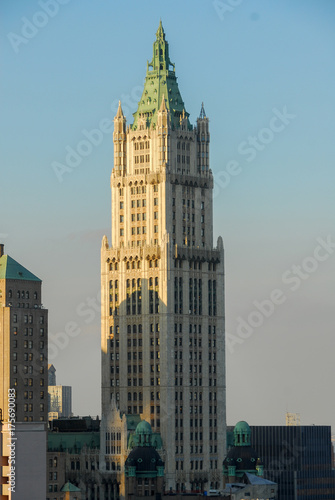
[(194, 329), (188, 242), (29, 382), (142, 159), (21, 294), (30, 395), (29, 319), (183, 159), (28, 369), (27, 331), (183, 146), (28, 344), (30, 407), (130, 265), (193, 396), (142, 145), (196, 265)]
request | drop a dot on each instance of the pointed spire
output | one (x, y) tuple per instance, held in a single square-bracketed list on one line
[(202, 111), (119, 113), (163, 104), (104, 243), (160, 34), (160, 81)]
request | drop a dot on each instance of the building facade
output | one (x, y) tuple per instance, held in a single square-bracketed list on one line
[(243, 469), (162, 282), (59, 397), (23, 381), (298, 458), (23, 342)]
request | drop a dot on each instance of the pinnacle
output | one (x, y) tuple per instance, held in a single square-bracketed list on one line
[(202, 111), (163, 104), (119, 113), (160, 32)]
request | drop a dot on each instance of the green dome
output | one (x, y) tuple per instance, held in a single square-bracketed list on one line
[(242, 434), (242, 426), (144, 432), (143, 428)]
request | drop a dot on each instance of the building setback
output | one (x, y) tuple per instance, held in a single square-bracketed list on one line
[(162, 283)]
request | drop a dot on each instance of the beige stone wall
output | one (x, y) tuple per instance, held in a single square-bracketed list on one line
[(172, 372)]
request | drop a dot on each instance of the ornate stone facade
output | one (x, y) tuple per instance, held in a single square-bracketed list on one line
[(162, 283)]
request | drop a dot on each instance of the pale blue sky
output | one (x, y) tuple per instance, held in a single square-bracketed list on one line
[(247, 64)]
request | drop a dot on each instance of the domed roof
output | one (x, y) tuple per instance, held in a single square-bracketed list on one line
[(242, 434), (242, 457), (143, 428), (242, 426), (145, 459)]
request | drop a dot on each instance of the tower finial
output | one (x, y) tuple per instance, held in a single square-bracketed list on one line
[(202, 111), (160, 35), (119, 113)]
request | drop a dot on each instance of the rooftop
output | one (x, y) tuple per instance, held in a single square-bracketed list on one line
[(12, 270)]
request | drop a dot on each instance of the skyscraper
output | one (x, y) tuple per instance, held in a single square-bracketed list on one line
[(23, 342), (23, 381), (59, 397), (162, 282)]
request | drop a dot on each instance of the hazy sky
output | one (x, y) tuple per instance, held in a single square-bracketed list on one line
[(265, 70)]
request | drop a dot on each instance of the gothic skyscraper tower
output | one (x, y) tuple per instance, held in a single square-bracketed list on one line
[(162, 282)]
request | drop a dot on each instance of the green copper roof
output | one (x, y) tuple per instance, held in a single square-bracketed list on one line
[(12, 270), (160, 81), (72, 441), (143, 428), (242, 434), (132, 421), (70, 487)]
